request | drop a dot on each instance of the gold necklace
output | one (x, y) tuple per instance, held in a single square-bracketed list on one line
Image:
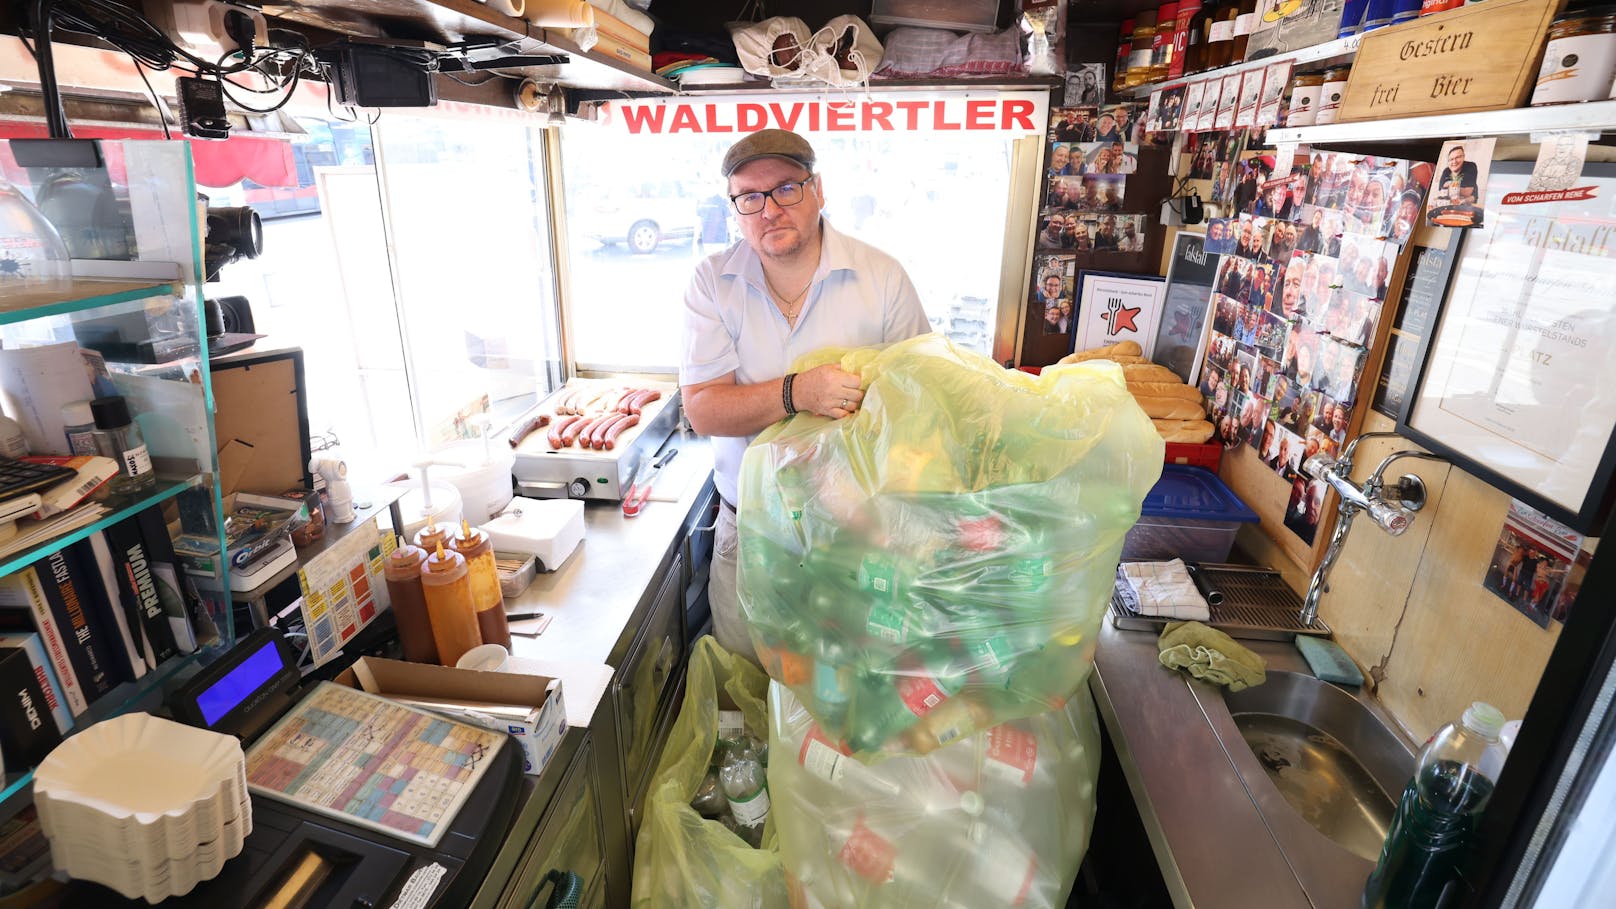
[(790, 305)]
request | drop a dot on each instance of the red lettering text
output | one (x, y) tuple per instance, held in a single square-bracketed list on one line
[(938, 122), (1017, 113), (839, 118), (713, 126), (979, 114), (637, 117), (912, 111), (780, 118), (877, 112), (749, 118), (684, 118)]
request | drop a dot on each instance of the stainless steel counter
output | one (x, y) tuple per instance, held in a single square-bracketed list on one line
[(1212, 844), (593, 595)]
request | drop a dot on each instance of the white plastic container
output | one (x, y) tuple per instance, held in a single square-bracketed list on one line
[(480, 471)]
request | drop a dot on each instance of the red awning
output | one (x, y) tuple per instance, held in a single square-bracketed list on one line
[(267, 162)]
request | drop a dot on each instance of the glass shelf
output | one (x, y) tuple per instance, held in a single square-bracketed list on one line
[(115, 702), (1588, 116), (122, 507), (76, 295)]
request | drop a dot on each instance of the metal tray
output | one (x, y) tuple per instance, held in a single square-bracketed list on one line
[(1245, 602)]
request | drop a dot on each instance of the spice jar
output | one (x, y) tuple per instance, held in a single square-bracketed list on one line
[(1144, 35), (1580, 58), (1330, 94), (1304, 106), (1119, 72), (1161, 45)]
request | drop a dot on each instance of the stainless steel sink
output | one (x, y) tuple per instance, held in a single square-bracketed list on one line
[(1333, 760)]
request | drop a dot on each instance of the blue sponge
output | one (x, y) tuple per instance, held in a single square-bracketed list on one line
[(1328, 661)]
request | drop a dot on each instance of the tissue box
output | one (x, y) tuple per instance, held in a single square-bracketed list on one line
[(547, 528), (529, 707)]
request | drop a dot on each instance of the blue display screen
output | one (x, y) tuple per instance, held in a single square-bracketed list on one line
[(248, 676)]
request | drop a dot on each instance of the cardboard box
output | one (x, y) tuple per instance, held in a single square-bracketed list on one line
[(539, 730)]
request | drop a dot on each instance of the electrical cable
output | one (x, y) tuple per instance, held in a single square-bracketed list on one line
[(55, 111), (156, 103)]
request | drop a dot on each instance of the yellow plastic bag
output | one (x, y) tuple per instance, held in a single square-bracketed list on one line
[(682, 859), (939, 562)]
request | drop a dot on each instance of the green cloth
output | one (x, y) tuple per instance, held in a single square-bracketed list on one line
[(1210, 655)]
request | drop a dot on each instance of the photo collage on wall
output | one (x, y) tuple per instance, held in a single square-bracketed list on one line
[(1307, 260), (1091, 152)]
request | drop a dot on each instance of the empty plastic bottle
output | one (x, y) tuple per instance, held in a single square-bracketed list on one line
[(1436, 815), (747, 788)]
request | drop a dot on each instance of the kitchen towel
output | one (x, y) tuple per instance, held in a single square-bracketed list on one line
[(1165, 589), (1210, 655)]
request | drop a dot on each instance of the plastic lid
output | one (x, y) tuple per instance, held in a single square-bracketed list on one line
[(971, 803), (77, 413), (406, 557), (443, 561), (110, 413), (1483, 719), (1197, 494)]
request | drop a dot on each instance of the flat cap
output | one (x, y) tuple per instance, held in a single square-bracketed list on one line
[(769, 143)]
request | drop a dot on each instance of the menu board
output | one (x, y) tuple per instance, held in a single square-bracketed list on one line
[(373, 762)]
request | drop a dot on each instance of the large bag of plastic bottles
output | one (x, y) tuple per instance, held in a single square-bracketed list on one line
[(999, 819), (939, 562), (682, 858)]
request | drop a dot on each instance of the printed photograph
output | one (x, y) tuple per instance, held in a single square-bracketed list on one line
[(1065, 159), (1065, 192), (1220, 351), (1108, 157), (1305, 508), (1220, 236), (1072, 124), (1086, 85), (1226, 313), (1530, 563)]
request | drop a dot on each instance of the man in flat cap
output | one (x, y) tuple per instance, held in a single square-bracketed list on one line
[(793, 285)]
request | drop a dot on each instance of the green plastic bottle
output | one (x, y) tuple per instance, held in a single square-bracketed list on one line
[(1438, 812)]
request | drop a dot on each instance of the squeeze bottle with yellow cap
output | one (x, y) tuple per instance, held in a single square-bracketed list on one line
[(478, 549), (403, 573), (431, 535), (447, 586)]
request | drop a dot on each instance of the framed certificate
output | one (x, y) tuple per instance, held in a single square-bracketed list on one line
[(1113, 307), (1516, 384)]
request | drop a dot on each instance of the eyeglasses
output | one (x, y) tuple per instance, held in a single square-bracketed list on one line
[(784, 195)]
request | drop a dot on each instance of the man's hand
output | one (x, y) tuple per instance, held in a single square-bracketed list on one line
[(827, 391)]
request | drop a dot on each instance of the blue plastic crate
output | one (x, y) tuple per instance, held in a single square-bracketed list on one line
[(1189, 514)]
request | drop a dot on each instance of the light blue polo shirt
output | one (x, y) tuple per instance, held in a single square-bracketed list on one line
[(859, 296)]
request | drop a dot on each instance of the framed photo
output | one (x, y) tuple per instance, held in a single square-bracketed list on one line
[(1514, 380), (1181, 337), (1112, 307)]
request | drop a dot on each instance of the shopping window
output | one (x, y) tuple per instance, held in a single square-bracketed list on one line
[(924, 176)]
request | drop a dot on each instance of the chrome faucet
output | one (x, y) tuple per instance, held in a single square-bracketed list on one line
[(1392, 506)]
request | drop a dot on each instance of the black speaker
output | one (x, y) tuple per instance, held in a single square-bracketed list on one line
[(235, 316)]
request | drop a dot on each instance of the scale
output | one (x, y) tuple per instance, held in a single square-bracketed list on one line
[(303, 852)]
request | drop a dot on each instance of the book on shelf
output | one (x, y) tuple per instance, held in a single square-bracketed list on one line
[(44, 672), (138, 585), (24, 851), (64, 586), (187, 615), (21, 590), (98, 595), (125, 610), (93, 472), (27, 730)]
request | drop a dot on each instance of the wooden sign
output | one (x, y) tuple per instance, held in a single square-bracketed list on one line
[(1480, 57)]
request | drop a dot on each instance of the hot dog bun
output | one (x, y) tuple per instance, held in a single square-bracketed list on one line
[(1195, 432), (1162, 408)]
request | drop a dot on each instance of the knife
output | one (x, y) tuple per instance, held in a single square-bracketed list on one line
[(639, 491)]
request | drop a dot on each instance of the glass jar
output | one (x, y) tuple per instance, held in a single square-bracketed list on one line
[(1161, 44), (1330, 94), (1304, 107), (1144, 34), (1580, 58), (1119, 72)]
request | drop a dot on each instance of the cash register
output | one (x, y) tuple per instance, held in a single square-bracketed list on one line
[(296, 857)]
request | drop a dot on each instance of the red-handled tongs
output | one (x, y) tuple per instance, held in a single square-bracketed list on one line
[(639, 491)]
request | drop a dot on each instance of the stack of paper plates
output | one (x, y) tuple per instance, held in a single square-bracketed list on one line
[(143, 805)]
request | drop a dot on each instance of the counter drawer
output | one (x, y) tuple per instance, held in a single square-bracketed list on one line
[(642, 685), (571, 839)]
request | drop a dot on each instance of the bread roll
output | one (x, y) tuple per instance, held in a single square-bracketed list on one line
[(1108, 352), (1194, 432), (1165, 390), (1160, 408), (1149, 372)]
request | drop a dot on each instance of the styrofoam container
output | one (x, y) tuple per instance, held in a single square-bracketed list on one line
[(1189, 514)]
